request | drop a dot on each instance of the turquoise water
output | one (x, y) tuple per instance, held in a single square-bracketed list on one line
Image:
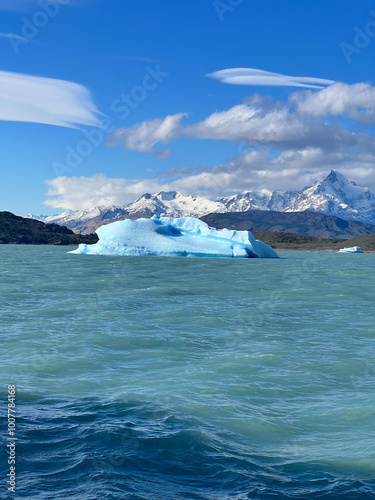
[(177, 378)]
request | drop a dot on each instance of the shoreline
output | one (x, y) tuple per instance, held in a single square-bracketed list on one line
[(293, 241), (313, 250)]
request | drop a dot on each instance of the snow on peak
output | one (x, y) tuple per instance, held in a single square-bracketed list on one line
[(173, 204), (336, 184), (338, 196)]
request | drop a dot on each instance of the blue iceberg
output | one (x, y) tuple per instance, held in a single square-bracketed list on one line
[(185, 236), (351, 250)]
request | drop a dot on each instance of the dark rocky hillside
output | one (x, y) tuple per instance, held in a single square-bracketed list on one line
[(18, 230)]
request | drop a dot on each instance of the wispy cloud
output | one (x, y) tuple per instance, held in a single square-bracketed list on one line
[(251, 76), (26, 98)]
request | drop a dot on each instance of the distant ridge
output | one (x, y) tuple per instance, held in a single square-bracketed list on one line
[(290, 241), (306, 223), (335, 196)]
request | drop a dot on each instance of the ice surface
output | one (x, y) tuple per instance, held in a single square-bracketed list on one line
[(186, 236), (351, 250)]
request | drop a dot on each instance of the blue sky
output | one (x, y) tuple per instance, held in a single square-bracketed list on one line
[(124, 83)]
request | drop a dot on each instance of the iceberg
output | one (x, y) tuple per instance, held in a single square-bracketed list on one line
[(185, 236), (351, 250)]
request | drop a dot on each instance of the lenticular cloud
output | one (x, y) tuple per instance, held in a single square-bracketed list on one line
[(25, 98), (251, 76)]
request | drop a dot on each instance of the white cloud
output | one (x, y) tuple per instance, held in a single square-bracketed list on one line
[(357, 101), (253, 170), (245, 123), (76, 193), (26, 98), (252, 76), (277, 127), (293, 145), (144, 136), (290, 170)]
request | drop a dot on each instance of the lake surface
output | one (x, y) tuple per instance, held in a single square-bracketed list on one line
[(185, 378)]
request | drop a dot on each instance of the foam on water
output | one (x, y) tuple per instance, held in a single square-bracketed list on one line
[(136, 380)]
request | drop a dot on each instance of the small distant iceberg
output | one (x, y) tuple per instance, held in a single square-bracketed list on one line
[(351, 250), (185, 236)]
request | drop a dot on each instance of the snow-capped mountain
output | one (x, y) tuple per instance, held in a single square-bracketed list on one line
[(70, 216), (85, 221), (335, 195), (261, 200), (338, 196), (173, 204)]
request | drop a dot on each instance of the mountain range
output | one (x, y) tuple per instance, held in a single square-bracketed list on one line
[(335, 195)]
